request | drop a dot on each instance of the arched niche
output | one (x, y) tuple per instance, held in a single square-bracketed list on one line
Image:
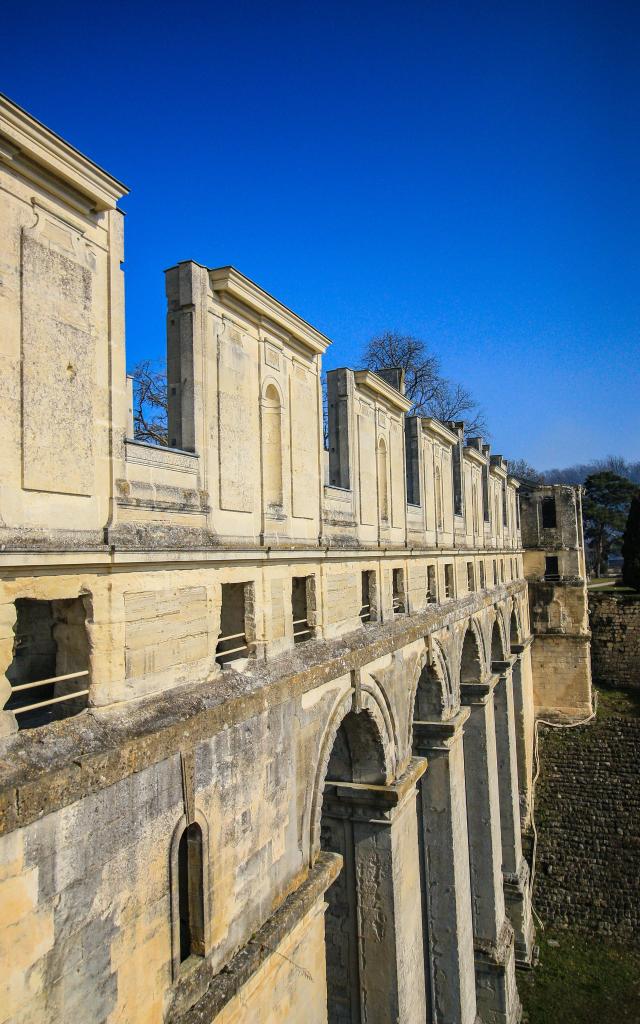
[(272, 448)]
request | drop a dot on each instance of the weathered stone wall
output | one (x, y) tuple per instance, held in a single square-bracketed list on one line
[(588, 819), (615, 638)]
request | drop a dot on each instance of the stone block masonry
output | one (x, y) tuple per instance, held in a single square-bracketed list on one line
[(615, 638), (588, 819)]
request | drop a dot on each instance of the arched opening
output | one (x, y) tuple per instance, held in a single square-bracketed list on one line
[(470, 661), (514, 632), (357, 757), (272, 448), (432, 696), (383, 487), (191, 892), (497, 646), (475, 510)]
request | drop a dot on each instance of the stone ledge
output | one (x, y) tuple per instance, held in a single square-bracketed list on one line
[(192, 1006)]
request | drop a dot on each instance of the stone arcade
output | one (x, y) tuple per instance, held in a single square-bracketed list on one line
[(280, 764)]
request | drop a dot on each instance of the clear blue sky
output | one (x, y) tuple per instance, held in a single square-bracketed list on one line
[(465, 172)]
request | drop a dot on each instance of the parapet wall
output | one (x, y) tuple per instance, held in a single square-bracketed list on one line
[(615, 638)]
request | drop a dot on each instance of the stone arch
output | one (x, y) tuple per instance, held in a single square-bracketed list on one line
[(200, 822), (498, 644), (433, 695), (472, 661), (368, 739), (515, 629)]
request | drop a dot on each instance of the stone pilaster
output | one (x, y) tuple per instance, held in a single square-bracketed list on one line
[(524, 722), (496, 993), (443, 822), (386, 870), (514, 867)]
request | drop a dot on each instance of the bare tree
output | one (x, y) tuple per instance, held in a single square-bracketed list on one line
[(430, 393), (525, 472), (150, 404)]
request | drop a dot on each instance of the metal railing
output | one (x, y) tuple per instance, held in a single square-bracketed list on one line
[(398, 606), (365, 613), (307, 631), (51, 681), (244, 646)]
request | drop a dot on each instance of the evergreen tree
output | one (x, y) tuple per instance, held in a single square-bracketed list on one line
[(605, 507), (631, 546)]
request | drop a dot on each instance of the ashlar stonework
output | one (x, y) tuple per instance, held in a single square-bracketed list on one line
[(266, 711)]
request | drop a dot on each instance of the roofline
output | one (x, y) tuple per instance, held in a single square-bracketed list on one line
[(370, 379), (39, 145), (229, 279), (435, 426)]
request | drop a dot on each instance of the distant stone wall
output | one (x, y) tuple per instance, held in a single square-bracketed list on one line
[(615, 640), (588, 820)]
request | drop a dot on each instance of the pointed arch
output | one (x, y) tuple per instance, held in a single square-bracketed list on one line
[(471, 656), (433, 696), (498, 649), (515, 633), (189, 890)]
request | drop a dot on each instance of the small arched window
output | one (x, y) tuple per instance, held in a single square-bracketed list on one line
[(272, 447), (383, 487), (191, 892)]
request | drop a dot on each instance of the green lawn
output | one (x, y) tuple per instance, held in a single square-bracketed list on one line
[(581, 980), (618, 702)]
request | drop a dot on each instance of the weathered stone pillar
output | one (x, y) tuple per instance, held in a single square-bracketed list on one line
[(449, 930), (496, 993), (514, 867), (524, 723), (386, 876)]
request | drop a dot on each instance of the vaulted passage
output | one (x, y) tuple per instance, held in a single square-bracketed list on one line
[(373, 923)]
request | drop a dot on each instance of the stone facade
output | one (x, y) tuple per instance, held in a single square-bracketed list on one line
[(615, 639), (280, 762), (588, 817)]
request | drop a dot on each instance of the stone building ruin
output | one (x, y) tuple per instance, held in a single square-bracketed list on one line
[(267, 714)]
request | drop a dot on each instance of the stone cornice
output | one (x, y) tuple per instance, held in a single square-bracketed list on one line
[(437, 429), (32, 145), (229, 281), (379, 387)]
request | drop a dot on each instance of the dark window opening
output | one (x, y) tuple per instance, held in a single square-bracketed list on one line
[(301, 599), (458, 506), (432, 586), (235, 623), (49, 673), (551, 570), (190, 892), (481, 568), (448, 580), (502, 570), (471, 577), (495, 573), (399, 601), (548, 513), (368, 610)]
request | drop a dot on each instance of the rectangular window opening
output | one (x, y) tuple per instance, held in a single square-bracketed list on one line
[(548, 513), (448, 580), (302, 600), (495, 573), (551, 569), (432, 586), (399, 601), (482, 580), (49, 673), (236, 623), (471, 577), (368, 610)]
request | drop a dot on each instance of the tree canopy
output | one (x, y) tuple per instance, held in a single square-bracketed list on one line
[(605, 507), (631, 546), (430, 393)]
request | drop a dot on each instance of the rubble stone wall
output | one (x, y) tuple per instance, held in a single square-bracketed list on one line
[(615, 639)]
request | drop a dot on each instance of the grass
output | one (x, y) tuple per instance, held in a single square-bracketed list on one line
[(618, 702), (581, 980)]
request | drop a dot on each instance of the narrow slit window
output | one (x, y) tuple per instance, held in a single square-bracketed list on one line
[(481, 571), (495, 573), (471, 577), (190, 892)]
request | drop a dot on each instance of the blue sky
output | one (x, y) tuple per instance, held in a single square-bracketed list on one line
[(466, 172)]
